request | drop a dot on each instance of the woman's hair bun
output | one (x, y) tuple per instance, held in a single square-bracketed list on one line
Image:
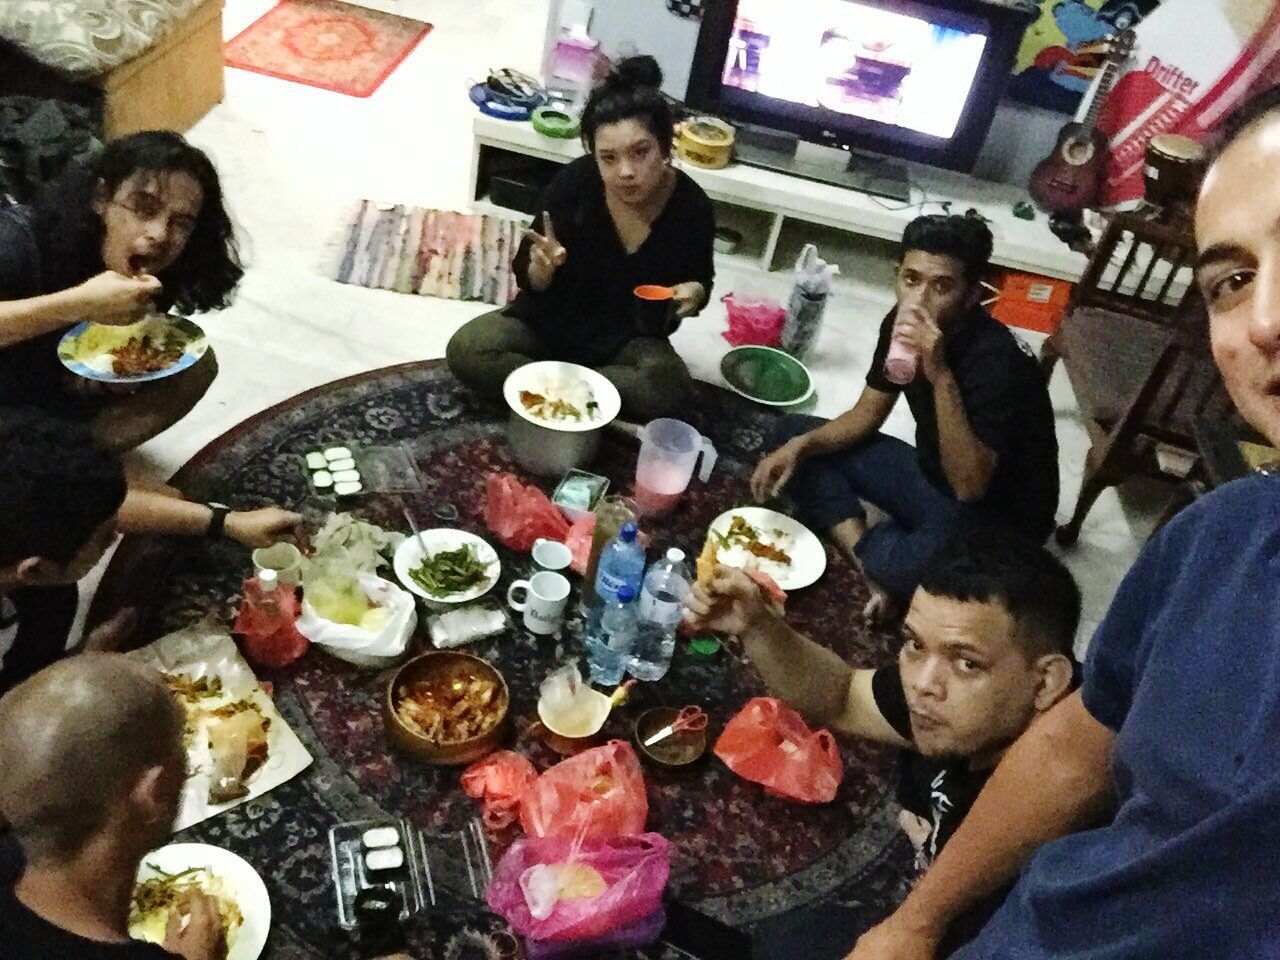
[(635, 73)]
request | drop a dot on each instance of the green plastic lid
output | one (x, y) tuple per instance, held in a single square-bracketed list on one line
[(704, 646), (767, 375)]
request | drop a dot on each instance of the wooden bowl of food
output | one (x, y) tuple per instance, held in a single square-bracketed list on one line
[(446, 708)]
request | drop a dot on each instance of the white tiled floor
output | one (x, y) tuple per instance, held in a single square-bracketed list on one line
[(293, 157)]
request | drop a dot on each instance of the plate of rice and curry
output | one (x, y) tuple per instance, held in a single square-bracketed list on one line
[(151, 349)]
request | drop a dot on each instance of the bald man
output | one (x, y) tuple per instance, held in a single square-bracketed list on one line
[(93, 761)]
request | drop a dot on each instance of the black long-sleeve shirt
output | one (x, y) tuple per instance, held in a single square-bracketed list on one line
[(587, 312)]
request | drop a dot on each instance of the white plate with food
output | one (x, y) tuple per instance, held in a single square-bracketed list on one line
[(167, 874), (562, 396), (774, 543), (150, 349), (238, 746), (457, 567)]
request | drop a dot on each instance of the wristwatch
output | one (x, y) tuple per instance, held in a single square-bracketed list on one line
[(218, 520)]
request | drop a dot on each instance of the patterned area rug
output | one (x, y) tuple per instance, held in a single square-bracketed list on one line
[(327, 44), (435, 253), (739, 855)]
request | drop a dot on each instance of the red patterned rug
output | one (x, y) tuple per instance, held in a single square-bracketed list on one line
[(326, 44)]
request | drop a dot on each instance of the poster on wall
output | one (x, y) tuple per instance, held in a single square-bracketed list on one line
[(1185, 82), (1062, 53)]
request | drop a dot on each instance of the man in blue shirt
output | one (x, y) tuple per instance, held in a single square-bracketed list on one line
[(1177, 725)]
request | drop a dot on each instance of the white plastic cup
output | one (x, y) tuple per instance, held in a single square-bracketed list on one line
[(900, 363), (283, 558)]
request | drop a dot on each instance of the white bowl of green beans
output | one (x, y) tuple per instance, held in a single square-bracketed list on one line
[(455, 567)]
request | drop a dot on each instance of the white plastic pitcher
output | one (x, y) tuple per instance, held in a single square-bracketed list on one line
[(668, 453)]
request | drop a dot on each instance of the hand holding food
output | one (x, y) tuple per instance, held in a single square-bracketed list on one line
[(774, 471), (546, 255), (689, 298), (114, 299), (195, 930), (262, 528), (731, 603)]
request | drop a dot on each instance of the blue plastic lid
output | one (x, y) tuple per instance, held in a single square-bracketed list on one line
[(628, 532), (626, 593)]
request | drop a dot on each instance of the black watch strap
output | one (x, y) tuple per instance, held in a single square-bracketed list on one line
[(218, 520)]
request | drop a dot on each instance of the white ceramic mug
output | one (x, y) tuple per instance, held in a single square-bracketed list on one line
[(546, 595), (551, 555), (284, 558)]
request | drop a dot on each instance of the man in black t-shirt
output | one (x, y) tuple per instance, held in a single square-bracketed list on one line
[(94, 763), (986, 450), (987, 647), (62, 501)]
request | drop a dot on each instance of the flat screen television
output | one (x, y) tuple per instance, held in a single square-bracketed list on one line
[(912, 79)]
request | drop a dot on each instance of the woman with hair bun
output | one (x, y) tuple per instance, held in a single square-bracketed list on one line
[(620, 217)]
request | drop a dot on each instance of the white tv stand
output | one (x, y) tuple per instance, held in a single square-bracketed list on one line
[(758, 202)]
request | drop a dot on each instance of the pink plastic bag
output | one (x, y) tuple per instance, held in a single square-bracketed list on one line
[(753, 320), (634, 870), (520, 514), (500, 780), (769, 743), (601, 791)]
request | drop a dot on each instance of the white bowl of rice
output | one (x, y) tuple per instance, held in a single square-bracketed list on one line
[(557, 412)]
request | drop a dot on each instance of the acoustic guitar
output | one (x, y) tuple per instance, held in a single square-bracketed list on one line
[(1070, 178)]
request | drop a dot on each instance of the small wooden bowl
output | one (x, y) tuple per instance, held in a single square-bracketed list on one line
[(678, 750), (445, 664)]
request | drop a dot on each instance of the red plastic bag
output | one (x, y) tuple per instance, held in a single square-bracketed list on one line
[(520, 514), (601, 791), (769, 743), (753, 320), (578, 540), (265, 624), (634, 870), (500, 780)]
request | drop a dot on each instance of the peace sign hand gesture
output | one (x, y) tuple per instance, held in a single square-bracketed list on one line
[(546, 254)]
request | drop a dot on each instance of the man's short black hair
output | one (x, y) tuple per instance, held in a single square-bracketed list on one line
[(1259, 105), (997, 566), (56, 486), (968, 239)]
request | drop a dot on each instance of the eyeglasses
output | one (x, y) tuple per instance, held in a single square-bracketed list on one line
[(148, 206)]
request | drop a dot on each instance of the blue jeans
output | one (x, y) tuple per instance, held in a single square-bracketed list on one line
[(885, 471)]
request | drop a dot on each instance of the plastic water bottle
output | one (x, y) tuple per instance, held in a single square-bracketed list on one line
[(661, 606), (621, 565), (609, 646)]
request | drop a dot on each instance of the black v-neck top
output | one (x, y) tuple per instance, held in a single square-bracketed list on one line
[(586, 315)]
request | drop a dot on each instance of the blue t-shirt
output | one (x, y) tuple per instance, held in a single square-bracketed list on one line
[(1186, 670)]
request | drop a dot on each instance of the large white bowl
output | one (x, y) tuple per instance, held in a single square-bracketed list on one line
[(409, 555), (551, 448)]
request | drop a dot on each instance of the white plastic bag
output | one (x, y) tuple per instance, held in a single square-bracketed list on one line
[(365, 648)]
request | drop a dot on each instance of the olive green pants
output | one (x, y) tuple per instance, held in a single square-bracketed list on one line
[(650, 376)]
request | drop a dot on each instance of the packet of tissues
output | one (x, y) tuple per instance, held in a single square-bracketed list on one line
[(476, 621)]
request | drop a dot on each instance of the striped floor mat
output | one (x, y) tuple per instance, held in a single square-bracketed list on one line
[(435, 253)]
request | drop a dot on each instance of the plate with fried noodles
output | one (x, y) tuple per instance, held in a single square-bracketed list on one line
[(166, 876), (771, 542), (151, 349)]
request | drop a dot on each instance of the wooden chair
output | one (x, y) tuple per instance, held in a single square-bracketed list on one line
[(1141, 270), (1139, 433)]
